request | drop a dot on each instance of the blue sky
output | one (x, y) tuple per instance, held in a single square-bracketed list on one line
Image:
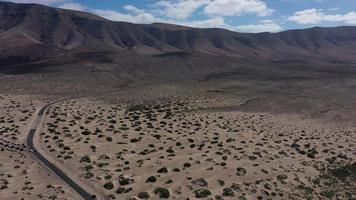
[(236, 15)]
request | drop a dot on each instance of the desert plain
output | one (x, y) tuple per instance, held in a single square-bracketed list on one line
[(169, 144)]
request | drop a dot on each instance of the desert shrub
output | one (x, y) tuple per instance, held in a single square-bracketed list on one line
[(342, 173), (241, 171), (86, 132), (170, 151), (88, 175), (186, 165), (163, 170), (120, 190), (109, 185), (200, 181), (151, 179), (85, 159), (134, 140), (176, 170), (328, 194), (228, 192), (169, 181), (143, 195), (124, 181), (112, 121), (202, 193), (221, 182), (282, 177), (162, 193), (242, 198)]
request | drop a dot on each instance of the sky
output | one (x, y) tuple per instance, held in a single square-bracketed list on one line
[(236, 15)]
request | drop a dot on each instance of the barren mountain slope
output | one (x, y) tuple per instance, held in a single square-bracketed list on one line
[(53, 32)]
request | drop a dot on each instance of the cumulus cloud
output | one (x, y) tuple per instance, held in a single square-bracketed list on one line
[(219, 22), (73, 6), (349, 18), (237, 7), (317, 16), (142, 16), (206, 23), (182, 9), (136, 17), (132, 14), (179, 9), (45, 2), (263, 26), (133, 9)]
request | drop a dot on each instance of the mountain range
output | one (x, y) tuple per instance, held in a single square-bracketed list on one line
[(54, 51), (32, 32)]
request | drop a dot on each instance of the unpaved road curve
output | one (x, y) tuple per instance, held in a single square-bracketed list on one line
[(47, 163)]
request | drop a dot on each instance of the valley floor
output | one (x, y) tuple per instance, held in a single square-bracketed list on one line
[(136, 145)]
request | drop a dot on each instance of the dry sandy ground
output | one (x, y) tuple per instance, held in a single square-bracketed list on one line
[(183, 148), (21, 176)]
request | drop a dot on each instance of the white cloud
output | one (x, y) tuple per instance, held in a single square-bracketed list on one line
[(45, 2), (141, 17), (134, 15), (146, 17), (216, 22), (182, 9), (237, 7), (219, 22), (317, 16), (350, 18), (179, 9), (263, 26), (133, 9), (73, 6)]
